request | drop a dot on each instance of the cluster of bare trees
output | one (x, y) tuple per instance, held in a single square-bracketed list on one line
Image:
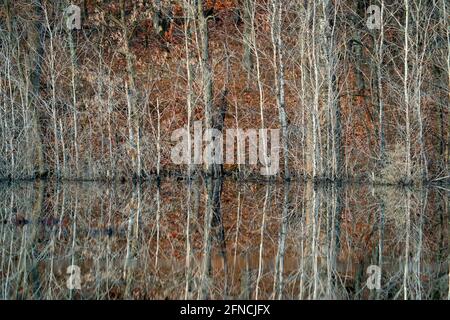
[(102, 101)]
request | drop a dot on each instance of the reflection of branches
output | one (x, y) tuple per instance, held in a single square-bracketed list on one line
[(310, 248)]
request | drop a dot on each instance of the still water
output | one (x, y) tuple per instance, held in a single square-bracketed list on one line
[(253, 241)]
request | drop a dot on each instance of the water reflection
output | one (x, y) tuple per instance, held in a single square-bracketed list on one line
[(182, 240)]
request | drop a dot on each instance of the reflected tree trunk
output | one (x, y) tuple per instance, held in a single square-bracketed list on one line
[(279, 259), (407, 242), (261, 242), (315, 242), (73, 252), (188, 275), (132, 239), (158, 227), (334, 214), (34, 238), (380, 247)]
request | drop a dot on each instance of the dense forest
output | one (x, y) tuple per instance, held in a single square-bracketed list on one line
[(358, 89), (116, 166)]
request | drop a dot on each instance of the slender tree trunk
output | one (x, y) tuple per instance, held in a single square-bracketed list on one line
[(419, 48), (258, 73), (406, 96), (189, 10), (36, 54), (131, 94), (334, 106), (315, 79), (277, 43), (445, 139), (52, 66), (207, 81), (247, 8), (73, 60), (379, 92)]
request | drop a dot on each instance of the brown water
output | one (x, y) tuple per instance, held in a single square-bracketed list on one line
[(266, 241)]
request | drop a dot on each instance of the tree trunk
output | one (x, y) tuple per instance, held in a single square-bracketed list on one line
[(277, 43), (406, 96), (207, 81), (131, 95), (247, 8), (36, 53)]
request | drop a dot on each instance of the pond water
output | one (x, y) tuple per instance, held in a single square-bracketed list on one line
[(177, 240)]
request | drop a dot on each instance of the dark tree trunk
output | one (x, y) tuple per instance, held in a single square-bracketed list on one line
[(36, 53)]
